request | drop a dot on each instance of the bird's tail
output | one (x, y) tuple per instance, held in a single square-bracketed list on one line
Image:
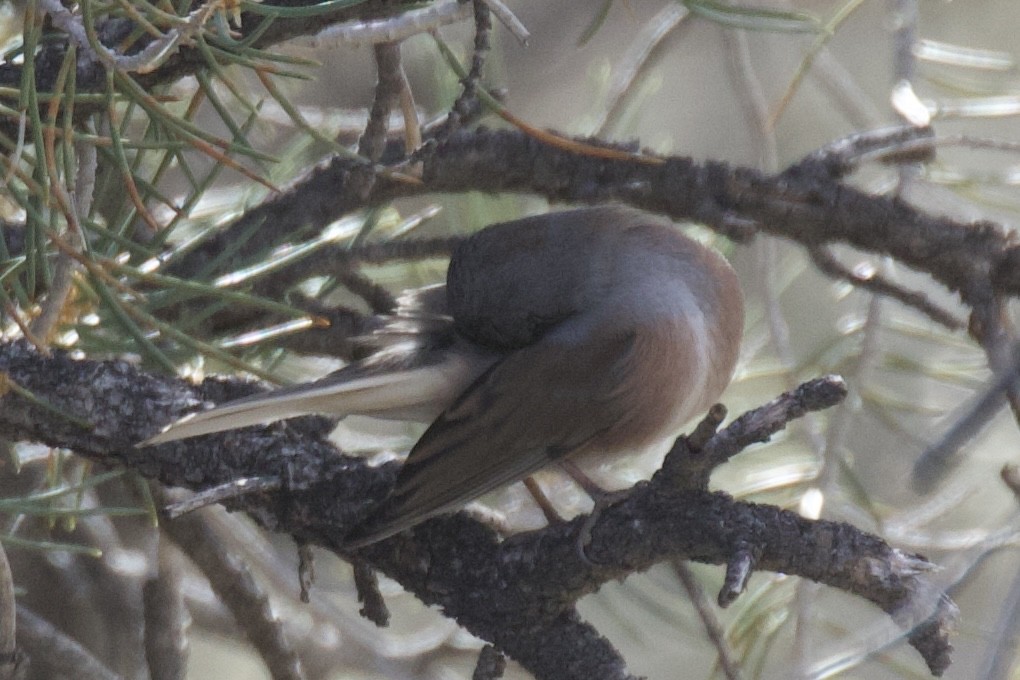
[(409, 393)]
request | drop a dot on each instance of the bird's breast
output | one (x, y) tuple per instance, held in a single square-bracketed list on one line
[(677, 365)]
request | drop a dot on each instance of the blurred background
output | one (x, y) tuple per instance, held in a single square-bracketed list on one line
[(759, 85)]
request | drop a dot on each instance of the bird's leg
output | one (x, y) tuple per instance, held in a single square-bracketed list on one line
[(552, 515), (603, 499), (497, 521)]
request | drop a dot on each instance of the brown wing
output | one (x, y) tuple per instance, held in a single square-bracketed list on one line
[(531, 408)]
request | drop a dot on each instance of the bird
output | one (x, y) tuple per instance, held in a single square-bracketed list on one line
[(574, 336)]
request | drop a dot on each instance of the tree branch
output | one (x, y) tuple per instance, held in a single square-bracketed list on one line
[(518, 594), (976, 260)]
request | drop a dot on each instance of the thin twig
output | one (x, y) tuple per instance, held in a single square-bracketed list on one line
[(54, 654), (391, 29), (753, 100), (509, 20), (903, 96), (841, 85), (367, 584), (15, 315), (417, 249), (9, 656), (147, 60), (234, 583), (412, 125), (378, 298), (166, 618), (713, 628), (387, 97), (1001, 641), (218, 494), (876, 283), (933, 464), (67, 267), (467, 106), (636, 61)]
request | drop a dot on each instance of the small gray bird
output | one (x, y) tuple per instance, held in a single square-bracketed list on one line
[(585, 333)]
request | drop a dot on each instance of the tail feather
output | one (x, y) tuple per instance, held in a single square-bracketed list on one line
[(412, 394), (418, 368)]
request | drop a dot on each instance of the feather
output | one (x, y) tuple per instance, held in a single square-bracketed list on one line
[(533, 407)]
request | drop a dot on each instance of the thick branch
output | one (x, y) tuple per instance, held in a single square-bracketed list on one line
[(975, 260), (510, 593), (810, 209)]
